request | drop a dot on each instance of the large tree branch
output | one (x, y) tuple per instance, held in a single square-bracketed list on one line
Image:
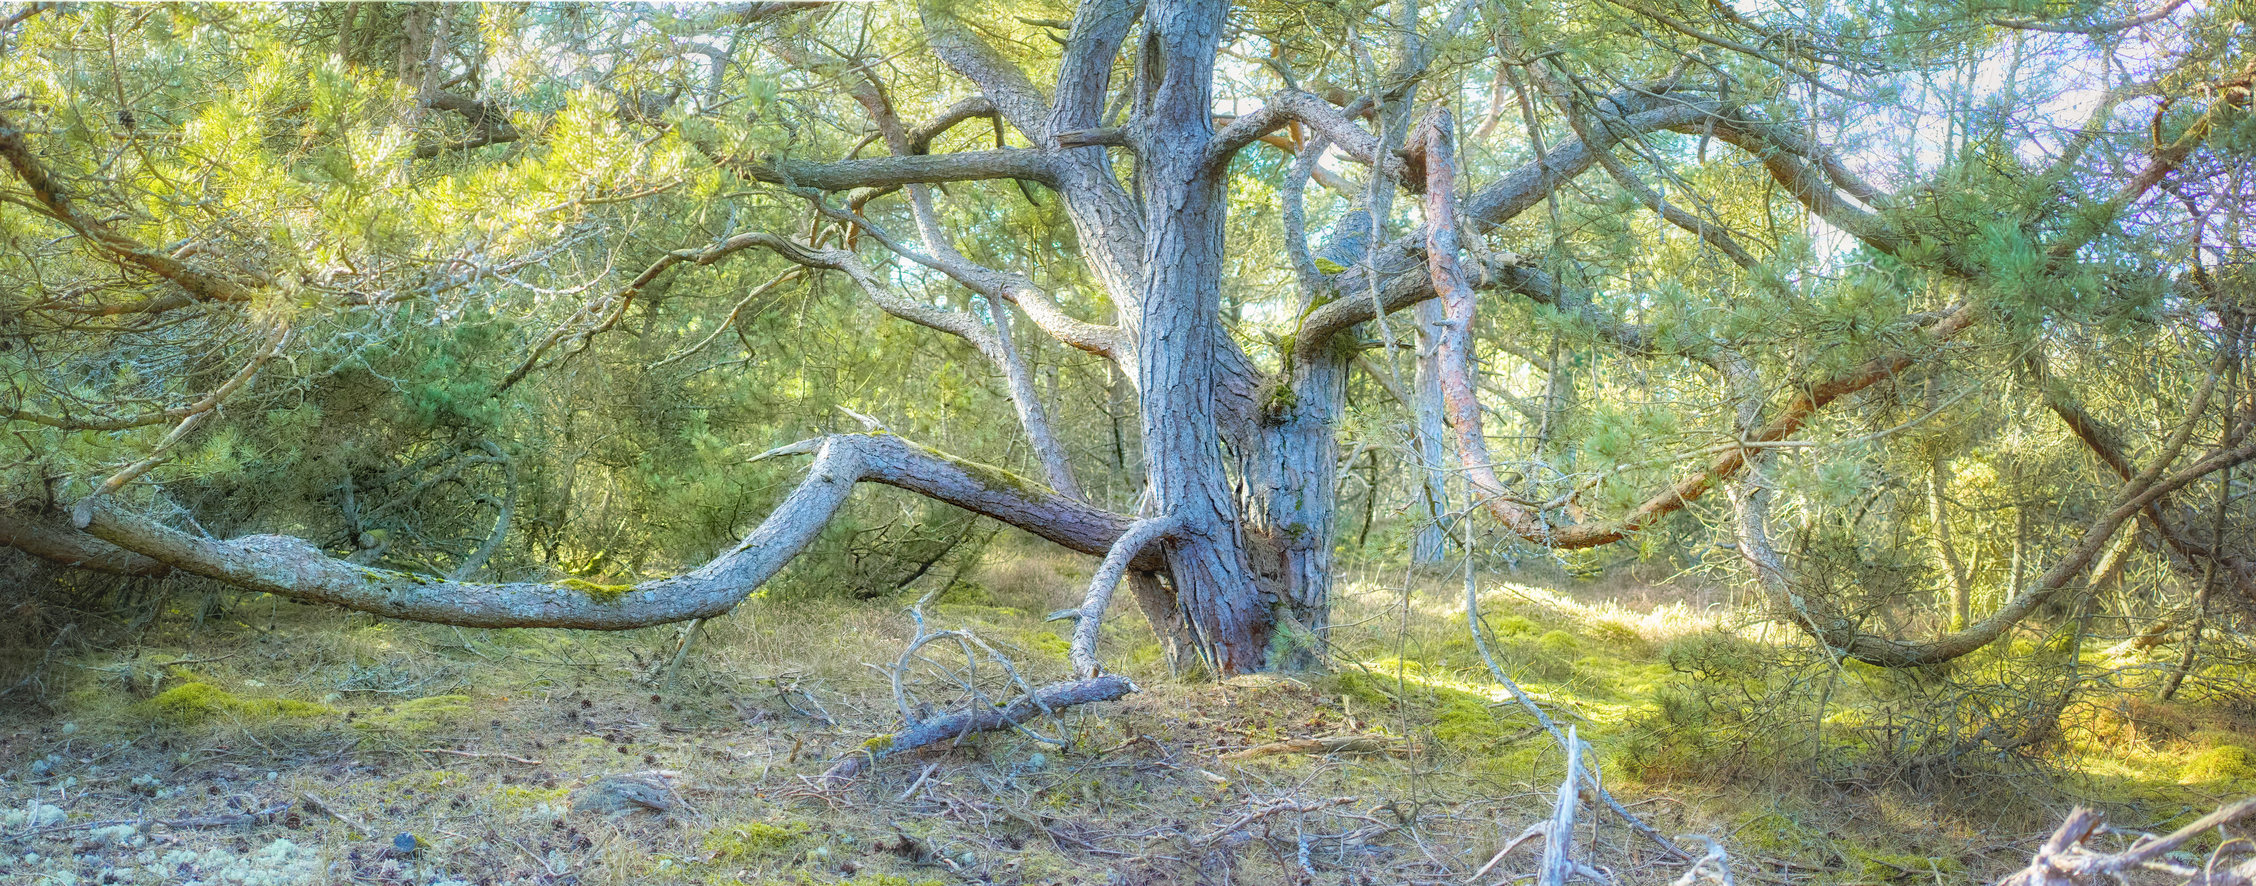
[(292, 568), (199, 284), (1842, 633), (1014, 96), (52, 537), (889, 172), (2169, 522)]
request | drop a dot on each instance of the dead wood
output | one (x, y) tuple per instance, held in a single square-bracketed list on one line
[(2067, 860), (1336, 744), (968, 722)]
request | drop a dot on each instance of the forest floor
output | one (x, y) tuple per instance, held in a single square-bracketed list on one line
[(280, 744)]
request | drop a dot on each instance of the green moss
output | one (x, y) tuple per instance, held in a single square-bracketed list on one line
[(1281, 401), (190, 703), (1884, 867), (418, 716), (1559, 643), (989, 476), (752, 840), (2224, 762), (1466, 724), (1045, 641), (1514, 626), (600, 593), (522, 798)]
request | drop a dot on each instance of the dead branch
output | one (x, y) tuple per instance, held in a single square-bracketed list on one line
[(965, 723), (1558, 836), (1336, 744), (2065, 860), (1253, 815), (1139, 536)]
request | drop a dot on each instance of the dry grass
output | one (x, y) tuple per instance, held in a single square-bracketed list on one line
[(339, 734)]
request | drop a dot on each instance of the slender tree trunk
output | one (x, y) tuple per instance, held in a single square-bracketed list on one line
[(1962, 594), (1431, 544)]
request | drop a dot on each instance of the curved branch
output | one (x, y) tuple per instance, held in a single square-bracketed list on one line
[(1838, 632), (290, 567), (1083, 653), (1841, 634)]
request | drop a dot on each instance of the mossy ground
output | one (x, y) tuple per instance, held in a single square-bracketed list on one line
[(315, 724)]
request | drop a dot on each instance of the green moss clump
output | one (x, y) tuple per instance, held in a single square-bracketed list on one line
[(1559, 643), (1045, 641), (752, 840), (2224, 762), (418, 716), (1466, 724), (600, 593), (1282, 401), (190, 703), (1514, 626)]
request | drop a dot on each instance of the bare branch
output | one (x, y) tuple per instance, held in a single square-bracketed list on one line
[(885, 172), (289, 567), (1109, 572)]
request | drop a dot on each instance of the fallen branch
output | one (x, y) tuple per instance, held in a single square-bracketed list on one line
[(478, 756), (1337, 744), (1254, 815), (964, 723), (331, 811), (1543, 721), (1558, 835), (2064, 860)]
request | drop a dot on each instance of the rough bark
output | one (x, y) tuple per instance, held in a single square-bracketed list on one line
[(1292, 511), (51, 536), (1179, 337), (291, 568)]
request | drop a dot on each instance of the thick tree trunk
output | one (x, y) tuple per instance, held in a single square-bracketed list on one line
[(1181, 334), (1293, 504)]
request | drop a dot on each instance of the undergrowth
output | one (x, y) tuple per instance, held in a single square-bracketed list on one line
[(389, 752)]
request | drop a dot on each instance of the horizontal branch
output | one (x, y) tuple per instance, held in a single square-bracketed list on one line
[(52, 537), (910, 169), (290, 567)]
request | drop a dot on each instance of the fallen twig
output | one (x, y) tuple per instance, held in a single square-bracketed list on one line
[(1338, 744), (1254, 815), (481, 756), (2064, 860), (979, 719), (331, 811)]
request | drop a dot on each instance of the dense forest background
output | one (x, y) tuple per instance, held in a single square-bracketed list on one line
[(1836, 414)]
